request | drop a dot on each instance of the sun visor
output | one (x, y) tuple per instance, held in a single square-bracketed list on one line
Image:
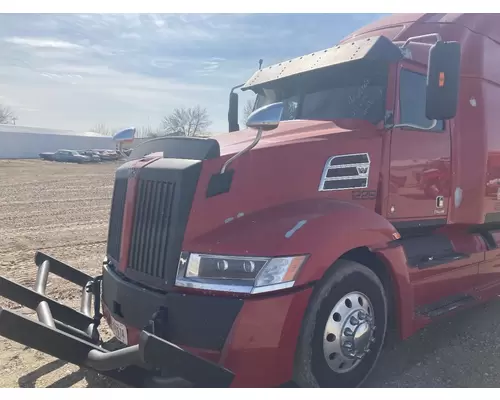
[(375, 48)]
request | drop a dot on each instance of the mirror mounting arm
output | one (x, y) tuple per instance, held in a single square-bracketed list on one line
[(236, 87), (264, 119), (246, 149), (437, 36)]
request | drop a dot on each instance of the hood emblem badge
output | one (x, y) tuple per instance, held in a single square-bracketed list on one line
[(362, 170)]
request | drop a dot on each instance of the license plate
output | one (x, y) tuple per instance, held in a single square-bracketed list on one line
[(119, 330)]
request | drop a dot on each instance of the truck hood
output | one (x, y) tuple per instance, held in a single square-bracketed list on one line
[(227, 144), (288, 132)]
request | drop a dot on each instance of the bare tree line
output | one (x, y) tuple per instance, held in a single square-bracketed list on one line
[(7, 116), (247, 110), (193, 121), (182, 121)]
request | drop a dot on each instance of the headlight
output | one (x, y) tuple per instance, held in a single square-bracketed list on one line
[(237, 274)]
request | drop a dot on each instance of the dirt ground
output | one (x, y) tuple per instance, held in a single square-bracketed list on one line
[(62, 209)]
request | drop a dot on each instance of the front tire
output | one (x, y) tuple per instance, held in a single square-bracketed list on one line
[(343, 330)]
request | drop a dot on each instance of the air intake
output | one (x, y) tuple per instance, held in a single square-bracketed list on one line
[(345, 172)]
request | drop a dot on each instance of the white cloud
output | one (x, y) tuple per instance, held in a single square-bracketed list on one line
[(130, 35), (80, 69), (210, 65), (187, 32), (42, 43), (159, 22), (162, 63), (76, 97), (73, 70)]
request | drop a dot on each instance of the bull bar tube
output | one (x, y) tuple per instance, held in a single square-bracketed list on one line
[(72, 335)]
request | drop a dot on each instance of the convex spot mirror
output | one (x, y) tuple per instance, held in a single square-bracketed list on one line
[(443, 80), (266, 118)]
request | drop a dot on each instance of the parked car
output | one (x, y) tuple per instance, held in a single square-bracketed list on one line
[(126, 152), (92, 154), (47, 156), (107, 155), (64, 155)]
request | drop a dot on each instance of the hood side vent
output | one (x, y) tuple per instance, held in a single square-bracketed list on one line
[(346, 172)]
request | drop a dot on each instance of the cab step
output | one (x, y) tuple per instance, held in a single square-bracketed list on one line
[(445, 306)]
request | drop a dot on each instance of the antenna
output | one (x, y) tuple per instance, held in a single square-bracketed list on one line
[(260, 63)]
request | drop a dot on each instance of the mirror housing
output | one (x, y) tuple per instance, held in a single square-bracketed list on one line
[(443, 81), (266, 118), (232, 114)]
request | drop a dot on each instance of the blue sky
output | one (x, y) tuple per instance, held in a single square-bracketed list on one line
[(72, 71)]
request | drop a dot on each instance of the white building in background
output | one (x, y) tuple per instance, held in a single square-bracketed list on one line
[(29, 142)]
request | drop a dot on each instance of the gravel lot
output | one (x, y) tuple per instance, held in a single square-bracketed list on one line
[(62, 209)]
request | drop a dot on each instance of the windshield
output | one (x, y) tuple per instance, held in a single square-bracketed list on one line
[(340, 93)]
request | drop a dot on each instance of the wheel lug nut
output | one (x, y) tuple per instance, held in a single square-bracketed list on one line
[(361, 316), (348, 345), (354, 320), (348, 332)]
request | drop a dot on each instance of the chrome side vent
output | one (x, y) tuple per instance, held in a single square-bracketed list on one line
[(345, 172)]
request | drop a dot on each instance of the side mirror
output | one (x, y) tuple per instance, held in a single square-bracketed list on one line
[(266, 118), (232, 114), (443, 80)]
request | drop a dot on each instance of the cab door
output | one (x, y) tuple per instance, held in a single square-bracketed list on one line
[(419, 195), (420, 160)]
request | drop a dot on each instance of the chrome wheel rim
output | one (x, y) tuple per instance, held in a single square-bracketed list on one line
[(349, 332)]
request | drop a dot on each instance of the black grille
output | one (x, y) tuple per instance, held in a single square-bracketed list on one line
[(346, 184), (341, 172), (350, 159), (152, 221), (116, 218)]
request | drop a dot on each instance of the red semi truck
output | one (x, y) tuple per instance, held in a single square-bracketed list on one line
[(356, 207)]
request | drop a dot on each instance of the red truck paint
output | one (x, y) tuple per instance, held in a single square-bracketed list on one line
[(276, 186)]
